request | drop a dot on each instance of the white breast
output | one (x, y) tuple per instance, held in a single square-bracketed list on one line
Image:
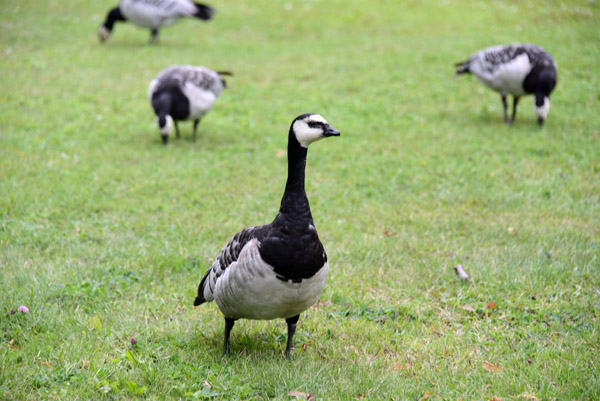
[(505, 78), (249, 289), (152, 88), (201, 100)]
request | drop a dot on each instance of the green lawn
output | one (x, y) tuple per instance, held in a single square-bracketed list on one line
[(105, 232)]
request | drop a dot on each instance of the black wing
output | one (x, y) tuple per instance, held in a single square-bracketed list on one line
[(494, 57)]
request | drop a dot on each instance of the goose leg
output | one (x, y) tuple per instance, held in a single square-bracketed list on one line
[(176, 129), (291, 322), (228, 326), (504, 104), (154, 35), (514, 114), (195, 128)]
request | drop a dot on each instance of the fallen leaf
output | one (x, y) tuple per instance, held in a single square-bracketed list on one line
[(491, 305), (12, 344), (490, 367), (95, 322), (530, 397), (467, 308), (46, 363), (353, 348), (426, 395), (461, 273), (297, 394), (399, 366), (389, 233), (306, 344)]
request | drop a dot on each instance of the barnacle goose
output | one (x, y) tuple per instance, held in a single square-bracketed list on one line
[(183, 92), (277, 270), (152, 14), (517, 69)]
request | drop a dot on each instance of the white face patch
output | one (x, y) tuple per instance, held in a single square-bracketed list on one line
[(542, 111), (201, 100), (305, 134), (316, 118), (166, 130), (103, 33)]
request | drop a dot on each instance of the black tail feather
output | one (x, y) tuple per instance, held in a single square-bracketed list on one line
[(200, 298), (225, 73), (204, 12)]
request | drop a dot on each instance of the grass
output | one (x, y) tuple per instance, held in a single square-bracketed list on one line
[(105, 233)]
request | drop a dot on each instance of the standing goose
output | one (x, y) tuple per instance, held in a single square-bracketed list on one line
[(277, 270), (183, 92), (517, 69), (152, 14)]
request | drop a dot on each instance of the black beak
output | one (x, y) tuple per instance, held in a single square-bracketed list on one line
[(165, 139), (541, 121), (330, 131)]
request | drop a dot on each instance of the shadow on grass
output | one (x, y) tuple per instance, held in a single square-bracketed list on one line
[(151, 138), (126, 44), (264, 343)]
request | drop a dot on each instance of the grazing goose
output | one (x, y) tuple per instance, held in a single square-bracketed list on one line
[(517, 69), (152, 14), (277, 270), (183, 92)]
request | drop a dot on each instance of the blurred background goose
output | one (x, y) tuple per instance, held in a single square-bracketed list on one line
[(152, 14), (517, 70), (184, 92)]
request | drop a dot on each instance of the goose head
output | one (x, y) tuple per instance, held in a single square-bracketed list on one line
[(545, 86), (104, 33), (106, 28), (165, 123), (309, 128), (541, 106)]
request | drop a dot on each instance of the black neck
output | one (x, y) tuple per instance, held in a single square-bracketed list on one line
[(113, 16), (541, 78), (294, 199), (162, 104)]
